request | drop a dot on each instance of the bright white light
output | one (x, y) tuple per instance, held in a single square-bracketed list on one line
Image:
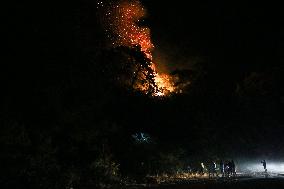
[(273, 167)]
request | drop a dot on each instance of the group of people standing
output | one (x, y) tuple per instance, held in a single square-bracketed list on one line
[(228, 168), (225, 169)]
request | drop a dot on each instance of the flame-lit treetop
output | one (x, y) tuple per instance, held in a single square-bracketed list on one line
[(129, 68), (121, 23), (121, 20)]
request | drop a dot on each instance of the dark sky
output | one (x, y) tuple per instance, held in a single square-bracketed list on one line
[(242, 35)]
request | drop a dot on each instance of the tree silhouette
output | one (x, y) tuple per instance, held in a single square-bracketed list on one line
[(128, 68)]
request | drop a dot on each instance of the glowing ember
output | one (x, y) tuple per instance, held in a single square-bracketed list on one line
[(121, 23), (165, 84)]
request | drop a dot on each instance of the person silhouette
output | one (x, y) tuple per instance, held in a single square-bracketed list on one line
[(233, 168), (222, 168), (264, 165)]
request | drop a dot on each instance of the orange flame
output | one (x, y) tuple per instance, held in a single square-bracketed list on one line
[(122, 21)]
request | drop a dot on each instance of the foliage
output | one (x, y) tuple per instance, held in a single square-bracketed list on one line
[(128, 68)]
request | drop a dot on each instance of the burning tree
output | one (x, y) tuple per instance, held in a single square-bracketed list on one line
[(130, 68), (121, 22)]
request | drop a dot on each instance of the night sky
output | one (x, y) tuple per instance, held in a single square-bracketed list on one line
[(57, 79), (241, 35)]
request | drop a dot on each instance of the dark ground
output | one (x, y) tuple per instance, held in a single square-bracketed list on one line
[(271, 183)]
